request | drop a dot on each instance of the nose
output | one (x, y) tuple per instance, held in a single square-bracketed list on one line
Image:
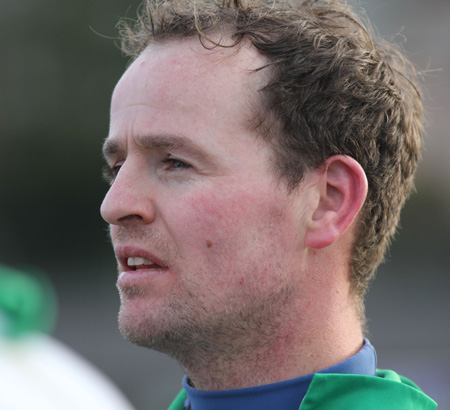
[(128, 200)]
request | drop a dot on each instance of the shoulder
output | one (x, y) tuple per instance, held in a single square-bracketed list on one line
[(386, 390)]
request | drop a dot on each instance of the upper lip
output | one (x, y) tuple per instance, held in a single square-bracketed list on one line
[(125, 252)]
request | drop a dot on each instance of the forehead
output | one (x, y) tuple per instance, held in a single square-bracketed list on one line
[(186, 77)]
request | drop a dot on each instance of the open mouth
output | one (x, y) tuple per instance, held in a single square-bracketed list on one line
[(139, 263)]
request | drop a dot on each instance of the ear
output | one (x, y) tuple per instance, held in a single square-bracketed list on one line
[(343, 190)]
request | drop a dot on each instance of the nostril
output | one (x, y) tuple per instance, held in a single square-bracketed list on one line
[(130, 219)]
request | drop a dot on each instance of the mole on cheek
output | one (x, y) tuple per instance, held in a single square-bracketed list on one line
[(209, 244)]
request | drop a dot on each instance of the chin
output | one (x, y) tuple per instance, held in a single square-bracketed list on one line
[(135, 327), (143, 326)]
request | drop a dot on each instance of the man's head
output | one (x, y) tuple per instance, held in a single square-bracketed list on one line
[(240, 141), (207, 239), (331, 89)]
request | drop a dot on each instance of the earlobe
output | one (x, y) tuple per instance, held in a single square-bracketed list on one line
[(343, 190)]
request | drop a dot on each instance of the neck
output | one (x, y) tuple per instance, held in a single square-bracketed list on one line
[(320, 338)]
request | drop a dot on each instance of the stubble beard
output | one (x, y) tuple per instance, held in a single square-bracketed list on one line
[(194, 336), (198, 334)]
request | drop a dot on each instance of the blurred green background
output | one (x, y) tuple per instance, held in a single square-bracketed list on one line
[(59, 64)]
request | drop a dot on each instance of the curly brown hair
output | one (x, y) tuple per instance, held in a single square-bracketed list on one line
[(333, 89)]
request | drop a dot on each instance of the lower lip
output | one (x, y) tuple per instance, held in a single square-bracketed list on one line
[(136, 277)]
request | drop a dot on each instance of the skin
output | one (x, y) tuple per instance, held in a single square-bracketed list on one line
[(244, 269)]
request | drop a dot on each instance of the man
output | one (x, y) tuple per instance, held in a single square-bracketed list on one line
[(259, 154)]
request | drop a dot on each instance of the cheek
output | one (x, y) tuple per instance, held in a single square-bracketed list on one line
[(236, 229), (220, 218)]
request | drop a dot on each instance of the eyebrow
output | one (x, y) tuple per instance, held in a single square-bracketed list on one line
[(110, 148), (113, 147)]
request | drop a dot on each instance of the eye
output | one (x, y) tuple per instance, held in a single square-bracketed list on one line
[(110, 173), (172, 164), (116, 168)]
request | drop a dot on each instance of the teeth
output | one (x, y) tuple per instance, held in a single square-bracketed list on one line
[(136, 261)]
